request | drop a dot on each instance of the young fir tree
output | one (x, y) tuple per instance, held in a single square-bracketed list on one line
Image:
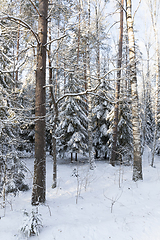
[(125, 138), (72, 129), (101, 123)]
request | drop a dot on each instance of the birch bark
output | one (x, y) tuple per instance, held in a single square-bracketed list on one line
[(90, 143), (137, 157)]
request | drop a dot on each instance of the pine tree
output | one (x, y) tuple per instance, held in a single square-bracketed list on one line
[(39, 183)]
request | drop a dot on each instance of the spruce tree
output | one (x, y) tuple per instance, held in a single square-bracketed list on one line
[(101, 122), (72, 128)]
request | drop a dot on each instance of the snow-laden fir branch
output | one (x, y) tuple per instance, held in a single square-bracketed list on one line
[(106, 98)]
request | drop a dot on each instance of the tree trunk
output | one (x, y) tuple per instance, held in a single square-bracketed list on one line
[(157, 94), (71, 157), (90, 141), (39, 181), (117, 91), (137, 162), (52, 95)]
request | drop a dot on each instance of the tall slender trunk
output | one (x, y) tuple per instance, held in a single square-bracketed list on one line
[(117, 91), (18, 39), (98, 42), (56, 84), (157, 95), (90, 141), (39, 180), (54, 154), (137, 162)]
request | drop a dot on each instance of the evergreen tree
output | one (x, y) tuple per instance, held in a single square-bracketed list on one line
[(101, 122), (72, 129)]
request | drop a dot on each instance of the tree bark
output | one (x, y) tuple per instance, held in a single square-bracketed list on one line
[(52, 95), (157, 94), (137, 161), (117, 91), (90, 141), (39, 181)]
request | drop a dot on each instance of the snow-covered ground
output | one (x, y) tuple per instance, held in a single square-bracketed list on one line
[(97, 205)]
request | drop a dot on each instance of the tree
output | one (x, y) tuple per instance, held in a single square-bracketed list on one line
[(137, 157), (117, 90), (39, 183), (90, 137), (154, 13), (148, 119), (101, 122)]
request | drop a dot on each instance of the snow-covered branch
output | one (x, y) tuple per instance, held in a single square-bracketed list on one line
[(22, 23), (53, 40), (90, 90)]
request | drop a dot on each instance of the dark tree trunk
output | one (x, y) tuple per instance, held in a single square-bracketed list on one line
[(39, 181), (71, 157), (76, 157), (117, 91)]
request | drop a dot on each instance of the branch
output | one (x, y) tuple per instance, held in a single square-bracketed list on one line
[(121, 6), (54, 40), (49, 14), (35, 8), (5, 56), (111, 27), (22, 23), (136, 9), (82, 93)]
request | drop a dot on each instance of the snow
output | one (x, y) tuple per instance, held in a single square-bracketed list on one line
[(109, 205)]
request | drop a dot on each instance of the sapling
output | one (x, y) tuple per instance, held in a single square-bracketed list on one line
[(32, 224), (76, 174)]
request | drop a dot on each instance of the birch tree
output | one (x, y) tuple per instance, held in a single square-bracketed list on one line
[(137, 157), (90, 140)]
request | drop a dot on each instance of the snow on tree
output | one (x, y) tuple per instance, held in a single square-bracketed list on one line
[(72, 128), (101, 123)]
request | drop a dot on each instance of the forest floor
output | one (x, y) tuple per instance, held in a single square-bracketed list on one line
[(94, 205)]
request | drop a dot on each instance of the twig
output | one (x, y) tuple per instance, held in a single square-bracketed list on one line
[(56, 39), (136, 9), (35, 8)]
